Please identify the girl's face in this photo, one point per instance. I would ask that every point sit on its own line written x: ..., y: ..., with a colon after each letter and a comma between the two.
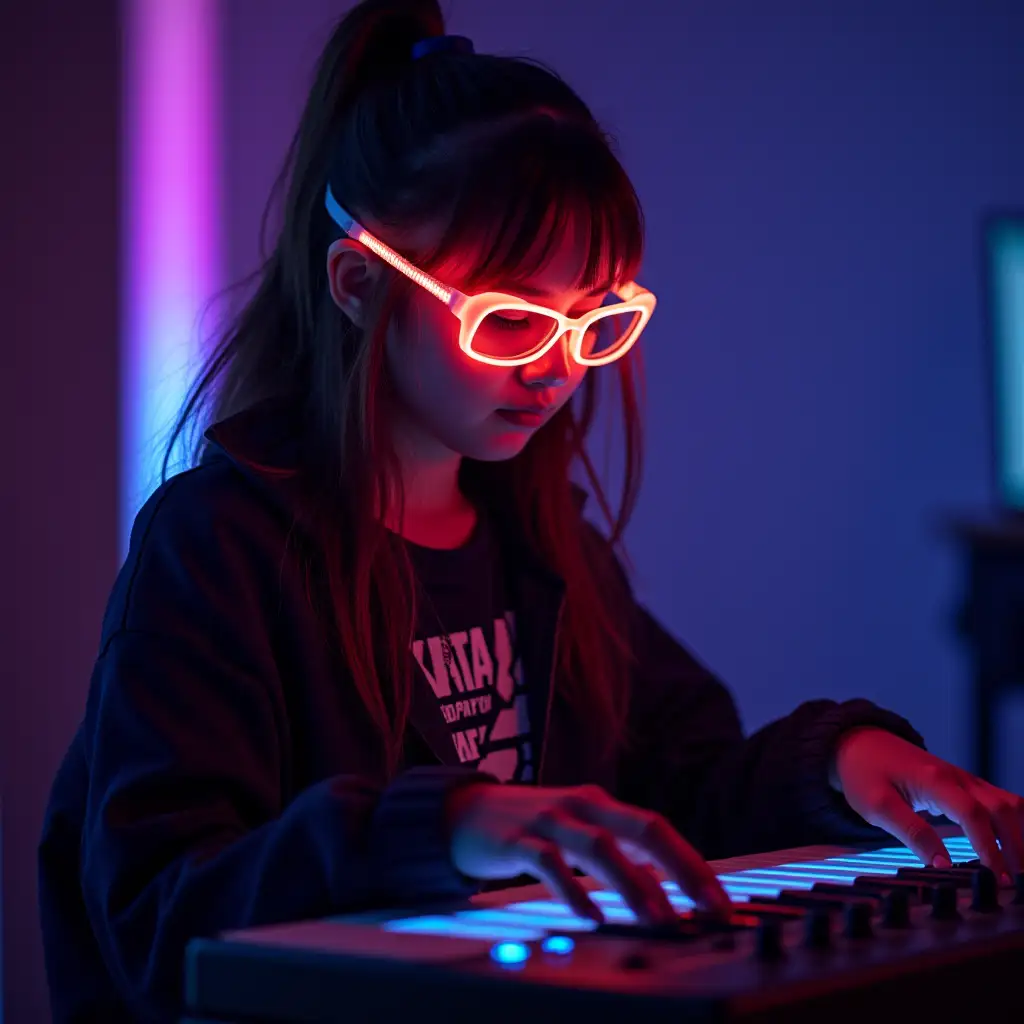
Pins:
x: 450, y: 404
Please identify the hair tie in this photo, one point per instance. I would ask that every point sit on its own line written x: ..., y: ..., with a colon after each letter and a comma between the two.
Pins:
x: 442, y: 44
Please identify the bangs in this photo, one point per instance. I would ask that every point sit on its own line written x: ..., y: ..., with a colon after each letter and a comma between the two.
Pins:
x: 544, y: 179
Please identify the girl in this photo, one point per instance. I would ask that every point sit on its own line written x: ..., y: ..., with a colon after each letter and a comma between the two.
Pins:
x: 369, y: 649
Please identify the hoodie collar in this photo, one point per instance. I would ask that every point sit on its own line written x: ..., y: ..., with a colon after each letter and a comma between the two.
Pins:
x: 266, y: 442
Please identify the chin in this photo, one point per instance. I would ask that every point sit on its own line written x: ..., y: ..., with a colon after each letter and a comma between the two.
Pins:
x: 491, y: 445
x: 495, y: 449
x: 490, y: 440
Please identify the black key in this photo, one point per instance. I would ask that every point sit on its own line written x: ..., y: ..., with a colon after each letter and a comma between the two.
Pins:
x: 684, y: 928
x: 675, y: 931
x: 956, y: 871
x: 708, y: 923
x: 841, y: 889
x: 918, y: 890
x: 804, y: 898
x: 937, y: 876
x: 760, y: 910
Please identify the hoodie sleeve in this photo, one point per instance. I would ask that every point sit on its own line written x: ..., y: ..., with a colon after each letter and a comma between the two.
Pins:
x: 187, y: 829
x: 727, y: 793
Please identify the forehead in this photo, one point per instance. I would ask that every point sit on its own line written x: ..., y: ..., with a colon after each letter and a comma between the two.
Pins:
x: 561, y: 270
x: 553, y: 265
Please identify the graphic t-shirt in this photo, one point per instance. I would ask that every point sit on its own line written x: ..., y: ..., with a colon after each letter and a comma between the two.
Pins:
x: 465, y: 646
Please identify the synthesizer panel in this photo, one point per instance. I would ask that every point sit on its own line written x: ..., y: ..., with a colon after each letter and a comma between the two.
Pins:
x: 829, y: 934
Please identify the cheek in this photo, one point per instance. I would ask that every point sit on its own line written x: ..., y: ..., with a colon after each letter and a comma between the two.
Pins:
x: 425, y: 361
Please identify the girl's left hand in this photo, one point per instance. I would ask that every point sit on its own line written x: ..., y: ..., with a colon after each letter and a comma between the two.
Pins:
x: 886, y: 780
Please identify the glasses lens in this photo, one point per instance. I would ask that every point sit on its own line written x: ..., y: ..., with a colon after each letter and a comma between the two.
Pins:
x: 609, y: 333
x: 513, y: 333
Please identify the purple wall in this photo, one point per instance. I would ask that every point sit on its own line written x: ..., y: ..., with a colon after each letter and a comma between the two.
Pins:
x: 816, y: 376
x: 816, y: 371
x: 59, y: 380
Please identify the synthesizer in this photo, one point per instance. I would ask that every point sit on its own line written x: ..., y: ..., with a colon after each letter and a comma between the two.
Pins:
x: 829, y: 934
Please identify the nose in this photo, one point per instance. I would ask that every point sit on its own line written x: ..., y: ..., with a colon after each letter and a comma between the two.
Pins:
x: 552, y: 370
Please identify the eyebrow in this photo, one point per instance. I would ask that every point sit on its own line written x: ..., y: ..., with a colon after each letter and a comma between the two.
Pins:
x: 539, y: 293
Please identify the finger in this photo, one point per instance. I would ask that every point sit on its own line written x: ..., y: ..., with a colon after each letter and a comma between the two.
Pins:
x: 595, y: 850
x: 678, y: 859
x: 655, y: 837
x: 545, y: 861
x: 1006, y: 811
x: 960, y: 806
x: 891, y: 812
x: 642, y: 859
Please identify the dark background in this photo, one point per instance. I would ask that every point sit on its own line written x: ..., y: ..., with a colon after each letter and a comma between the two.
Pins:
x: 813, y: 176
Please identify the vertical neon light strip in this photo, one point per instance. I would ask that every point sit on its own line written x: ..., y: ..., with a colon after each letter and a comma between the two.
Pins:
x: 172, y: 216
x: 1007, y: 299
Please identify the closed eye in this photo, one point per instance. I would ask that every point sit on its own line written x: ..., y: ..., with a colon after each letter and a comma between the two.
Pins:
x: 510, y: 323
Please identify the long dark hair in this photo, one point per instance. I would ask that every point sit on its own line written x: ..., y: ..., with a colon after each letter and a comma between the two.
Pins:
x: 507, y: 154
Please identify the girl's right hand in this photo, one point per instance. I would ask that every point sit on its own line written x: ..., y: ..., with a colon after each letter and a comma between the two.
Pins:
x: 501, y: 831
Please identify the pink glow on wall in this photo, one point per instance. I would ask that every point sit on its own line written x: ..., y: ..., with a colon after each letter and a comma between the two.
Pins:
x: 172, y: 216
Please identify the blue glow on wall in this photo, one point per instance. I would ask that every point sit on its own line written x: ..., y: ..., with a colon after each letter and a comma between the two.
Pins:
x: 1005, y: 244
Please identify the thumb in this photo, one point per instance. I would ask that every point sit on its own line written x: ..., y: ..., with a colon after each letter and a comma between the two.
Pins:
x: 899, y: 819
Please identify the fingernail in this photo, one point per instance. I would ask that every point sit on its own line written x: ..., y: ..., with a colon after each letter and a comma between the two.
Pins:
x: 940, y: 860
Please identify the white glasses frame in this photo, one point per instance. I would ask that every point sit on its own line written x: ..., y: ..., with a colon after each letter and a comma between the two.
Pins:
x: 472, y: 310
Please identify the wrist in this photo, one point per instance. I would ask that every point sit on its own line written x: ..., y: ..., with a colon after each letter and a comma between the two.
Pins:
x: 840, y: 746
x: 457, y: 801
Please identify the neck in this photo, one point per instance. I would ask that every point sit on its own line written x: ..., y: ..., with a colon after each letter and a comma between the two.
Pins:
x: 434, y: 511
x: 431, y: 489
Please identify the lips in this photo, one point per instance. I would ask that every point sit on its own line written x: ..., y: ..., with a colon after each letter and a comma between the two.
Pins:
x: 532, y: 417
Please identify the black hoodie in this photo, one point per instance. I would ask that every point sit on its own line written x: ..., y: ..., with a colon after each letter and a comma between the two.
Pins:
x: 226, y: 775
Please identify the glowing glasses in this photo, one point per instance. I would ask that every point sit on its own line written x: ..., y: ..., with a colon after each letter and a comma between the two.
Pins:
x: 505, y: 330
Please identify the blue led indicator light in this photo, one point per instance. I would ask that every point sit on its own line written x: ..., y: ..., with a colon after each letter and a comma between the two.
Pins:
x: 510, y: 953
x: 560, y: 944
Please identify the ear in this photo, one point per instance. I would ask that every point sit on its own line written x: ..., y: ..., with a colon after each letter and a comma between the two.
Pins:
x: 353, y: 272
